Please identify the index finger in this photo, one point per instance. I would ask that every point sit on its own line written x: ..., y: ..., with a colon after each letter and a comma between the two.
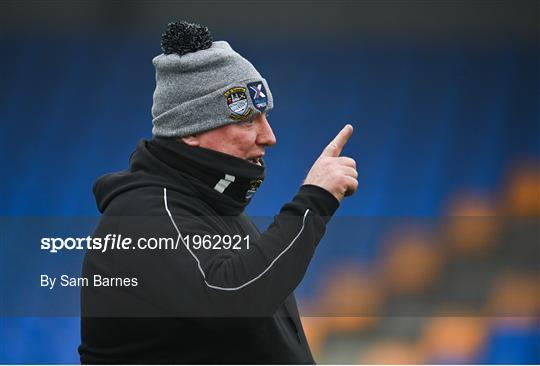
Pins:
x: 335, y: 147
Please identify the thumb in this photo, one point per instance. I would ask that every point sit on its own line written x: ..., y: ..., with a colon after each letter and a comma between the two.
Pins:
x: 336, y: 145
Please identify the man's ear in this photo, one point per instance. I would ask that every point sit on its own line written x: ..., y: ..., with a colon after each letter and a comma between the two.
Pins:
x: 192, y: 140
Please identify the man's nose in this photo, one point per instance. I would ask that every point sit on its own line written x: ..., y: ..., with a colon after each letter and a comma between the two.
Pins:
x: 265, y: 135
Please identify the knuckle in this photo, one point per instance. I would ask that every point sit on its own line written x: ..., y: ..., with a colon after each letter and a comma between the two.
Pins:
x: 350, y: 161
x: 350, y: 172
x: 322, y: 159
x: 345, y: 160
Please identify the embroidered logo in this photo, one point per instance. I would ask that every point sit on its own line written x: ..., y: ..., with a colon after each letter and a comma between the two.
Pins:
x: 254, y: 184
x: 258, y: 95
x: 237, y: 103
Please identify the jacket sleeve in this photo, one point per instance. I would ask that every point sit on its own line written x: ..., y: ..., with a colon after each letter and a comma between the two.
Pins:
x: 256, y: 281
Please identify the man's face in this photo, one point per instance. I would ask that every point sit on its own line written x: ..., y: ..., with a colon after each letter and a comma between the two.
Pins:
x: 245, y: 140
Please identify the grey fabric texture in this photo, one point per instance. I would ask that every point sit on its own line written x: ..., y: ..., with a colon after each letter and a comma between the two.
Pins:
x: 191, y: 94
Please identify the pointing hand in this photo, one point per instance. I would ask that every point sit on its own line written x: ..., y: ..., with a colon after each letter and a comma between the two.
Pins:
x: 332, y: 172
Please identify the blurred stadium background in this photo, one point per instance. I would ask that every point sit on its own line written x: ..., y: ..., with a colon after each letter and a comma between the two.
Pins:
x: 445, y: 100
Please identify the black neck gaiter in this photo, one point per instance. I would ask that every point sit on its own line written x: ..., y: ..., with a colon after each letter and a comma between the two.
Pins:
x: 230, y: 176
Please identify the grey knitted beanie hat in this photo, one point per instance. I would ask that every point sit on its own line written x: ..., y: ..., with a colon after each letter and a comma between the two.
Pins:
x: 202, y: 85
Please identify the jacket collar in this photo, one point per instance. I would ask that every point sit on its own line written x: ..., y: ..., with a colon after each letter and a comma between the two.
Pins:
x: 225, y: 182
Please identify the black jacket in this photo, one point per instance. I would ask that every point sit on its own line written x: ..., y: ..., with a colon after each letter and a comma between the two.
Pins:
x: 191, y: 304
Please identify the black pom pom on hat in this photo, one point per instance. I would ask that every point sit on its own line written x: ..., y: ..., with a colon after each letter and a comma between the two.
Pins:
x: 183, y: 37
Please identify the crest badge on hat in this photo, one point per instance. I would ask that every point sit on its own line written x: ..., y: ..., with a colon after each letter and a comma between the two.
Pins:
x: 238, y: 103
x: 258, y: 95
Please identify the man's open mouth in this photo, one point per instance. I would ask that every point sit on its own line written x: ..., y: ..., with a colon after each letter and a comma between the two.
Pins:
x: 256, y: 161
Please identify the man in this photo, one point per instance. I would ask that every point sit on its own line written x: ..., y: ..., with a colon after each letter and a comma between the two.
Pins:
x: 225, y: 293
